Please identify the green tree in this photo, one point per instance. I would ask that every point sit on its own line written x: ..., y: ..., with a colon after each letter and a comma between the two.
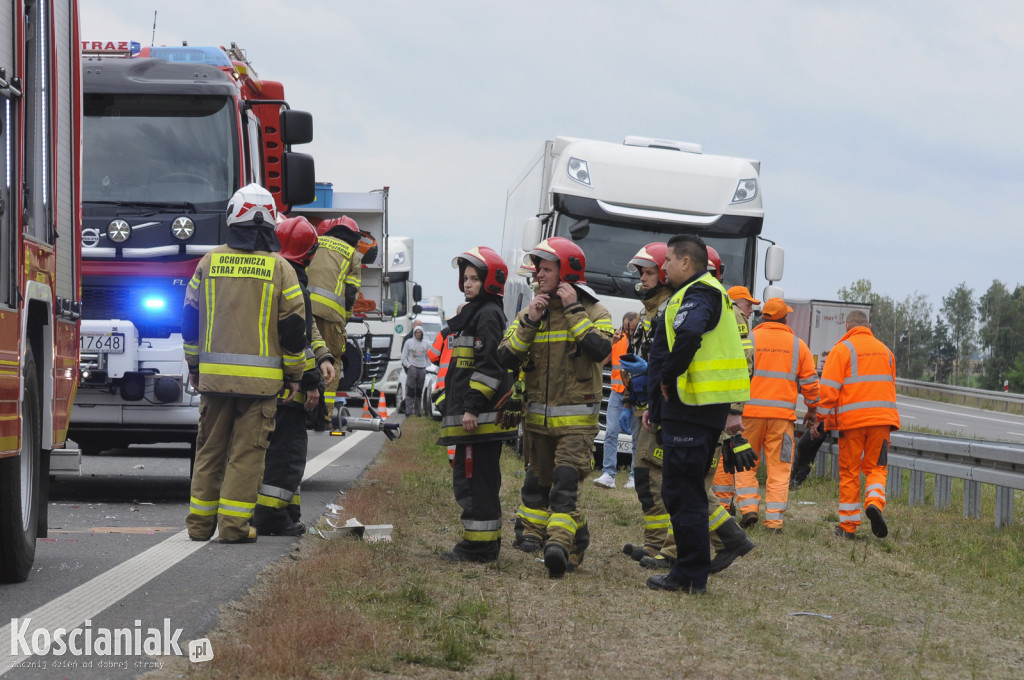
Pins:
x: 912, y: 321
x: 1001, y: 332
x: 941, y: 353
x: 960, y: 312
x: 1015, y: 374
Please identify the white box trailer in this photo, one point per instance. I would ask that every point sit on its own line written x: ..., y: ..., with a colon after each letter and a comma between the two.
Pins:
x: 821, y: 324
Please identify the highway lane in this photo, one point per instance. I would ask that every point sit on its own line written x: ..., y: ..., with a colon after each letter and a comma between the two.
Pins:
x: 960, y: 421
x: 117, y: 555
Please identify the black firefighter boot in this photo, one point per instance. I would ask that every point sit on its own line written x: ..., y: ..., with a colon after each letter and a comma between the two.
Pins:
x: 735, y: 543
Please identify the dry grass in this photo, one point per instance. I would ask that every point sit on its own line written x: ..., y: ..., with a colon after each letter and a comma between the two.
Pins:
x: 941, y: 597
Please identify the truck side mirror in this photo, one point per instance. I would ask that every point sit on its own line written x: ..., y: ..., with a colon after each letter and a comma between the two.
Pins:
x: 532, y: 229
x: 296, y: 127
x: 771, y: 291
x: 774, y: 261
x: 417, y: 309
x: 417, y: 293
x: 298, y: 183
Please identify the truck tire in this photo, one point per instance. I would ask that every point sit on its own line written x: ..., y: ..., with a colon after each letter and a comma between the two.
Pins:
x: 20, y: 488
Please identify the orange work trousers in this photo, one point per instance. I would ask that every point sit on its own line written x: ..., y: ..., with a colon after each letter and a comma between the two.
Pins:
x: 772, y: 439
x: 723, y: 485
x: 862, y: 449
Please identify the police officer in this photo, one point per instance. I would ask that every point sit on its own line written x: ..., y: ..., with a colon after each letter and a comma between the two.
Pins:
x: 697, y: 369
x: 475, y: 382
x: 243, y: 329
x: 563, y: 336
x: 278, y: 506
x: 335, y: 275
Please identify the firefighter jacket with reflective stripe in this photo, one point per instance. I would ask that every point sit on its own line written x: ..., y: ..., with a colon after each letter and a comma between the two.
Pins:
x: 243, y: 324
x: 476, y: 380
x: 783, y: 368
x: 316, y: 352
x: 618, y: 349
x: 335, y: 275
x: 858, y: 383
x: 717, y: 373
x: 563, y: 355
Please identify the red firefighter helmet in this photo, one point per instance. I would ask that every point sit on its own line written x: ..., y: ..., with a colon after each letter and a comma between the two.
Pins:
x: 715, y: 263
x: 326, y: 225
x: 572, y: 263
x: 651, y: 255
x: 298, y: 240
x: 494, y: 268
x: 251, y: 206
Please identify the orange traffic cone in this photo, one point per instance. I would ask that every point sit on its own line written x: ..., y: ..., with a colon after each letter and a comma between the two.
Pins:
x: 382, y: 407
x: 366, y: 408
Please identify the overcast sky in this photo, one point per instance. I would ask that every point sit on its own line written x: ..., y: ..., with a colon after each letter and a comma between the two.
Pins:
x: 890, y: 135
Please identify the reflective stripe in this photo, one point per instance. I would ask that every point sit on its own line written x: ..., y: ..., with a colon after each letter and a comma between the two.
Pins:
x: 517, y: 344
x: 605, y: 325
x: 847, y: 507
x: 292, y: 293
x: 771, y: 402
x: 563, y: 521
x: 719, y: 489
x: 271, y: 502
x: 239, y: 359
x: 481, y: 524
x: 831, y: 383
x: 275, y: 492
x: 808, y: 381
x: 746, y: 490
x: 570, y: 410
x: 481, y: 536
x: 552, y: 336
x: 772, y: 515
x: 327, y: 298
x: 775, y: 506
x: 463, y: 341
x: 581, y: 328
x: 190, y: 350
x: 193, y: 283
x: 717, y: 518
x: 868, y: 378
x: 865, y: 404
x: 265, y: 301
x: 535, y: 516
x: 235, y: 508
x: 657, y: 522
x: 760, y: 373
x: 242, y: 371
x: 211, y: 307
x: 487, y: 417
x: 202, y: 508
x: 493, y: 383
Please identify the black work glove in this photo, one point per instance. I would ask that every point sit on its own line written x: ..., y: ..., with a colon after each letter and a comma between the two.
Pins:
x: 738, y: 455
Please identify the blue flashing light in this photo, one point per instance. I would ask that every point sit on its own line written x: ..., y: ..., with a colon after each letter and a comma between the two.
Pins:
x: 214, y: 56
x: 154, y: 303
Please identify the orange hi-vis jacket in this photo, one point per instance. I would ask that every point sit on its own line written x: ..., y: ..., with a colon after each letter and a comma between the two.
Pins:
x: 618, y: 349
x: 858, y: 383
x: 783, y: 369
x: 440, y: 353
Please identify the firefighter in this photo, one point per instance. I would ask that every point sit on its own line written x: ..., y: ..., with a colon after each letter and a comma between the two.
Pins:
x: 697, y: 370
x: 476, y: 381
x: 335, y: 275
x: 783, y: 369
x: 278, y: 506
x: 858, y: 398
x: 563, y: 336
x: 724, y: 483
x: 243, y: 331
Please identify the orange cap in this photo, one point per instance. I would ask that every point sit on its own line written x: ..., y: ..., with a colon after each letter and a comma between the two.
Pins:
x: 741, y: 293
x: 774, y: 309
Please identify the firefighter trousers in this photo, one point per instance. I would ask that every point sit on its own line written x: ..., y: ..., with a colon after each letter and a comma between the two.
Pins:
x: 277, y: 506
x: 557, y: 464
x: 476, y: 481
x: 230, y: 448
x: 862, y: 449
x: 772, y: 439
x: 723, y: 485
x: 334, y: 336
x: 647, y: 477
x: 689, y: 449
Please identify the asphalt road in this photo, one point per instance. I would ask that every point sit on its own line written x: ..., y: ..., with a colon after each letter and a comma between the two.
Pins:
x: 117, y: 557
x: 961, y: 421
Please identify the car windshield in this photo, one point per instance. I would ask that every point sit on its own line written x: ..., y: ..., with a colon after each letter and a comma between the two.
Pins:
x: 609, y: 248
x: 158, y: 148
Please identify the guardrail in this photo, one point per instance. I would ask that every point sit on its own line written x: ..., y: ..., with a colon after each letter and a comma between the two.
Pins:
x: 1008, y: 402
x: 976, y: 462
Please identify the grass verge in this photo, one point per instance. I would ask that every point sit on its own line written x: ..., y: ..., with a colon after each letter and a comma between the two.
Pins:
x: 940, y: 597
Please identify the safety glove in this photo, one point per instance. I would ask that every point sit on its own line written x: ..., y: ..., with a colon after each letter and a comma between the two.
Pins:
x: 633, y: 364
x: 510, y: 406
x: 626, y: 420
x: 738, y: 455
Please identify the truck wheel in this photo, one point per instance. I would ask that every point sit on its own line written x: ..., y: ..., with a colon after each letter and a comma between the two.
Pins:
x: 19, y: 487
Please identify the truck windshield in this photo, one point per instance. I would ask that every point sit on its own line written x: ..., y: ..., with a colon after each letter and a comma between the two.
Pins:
x: 610, y: 246
x: 158, y: 148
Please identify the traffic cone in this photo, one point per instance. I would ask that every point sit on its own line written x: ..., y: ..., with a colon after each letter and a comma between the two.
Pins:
x: 382, y: 407
x: 366, y: 408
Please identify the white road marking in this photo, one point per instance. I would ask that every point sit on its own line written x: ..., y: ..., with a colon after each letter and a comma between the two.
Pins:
x: 88, y: 600
x: 967, y: 415
x: 956, y: 424
x: 1016, y: 434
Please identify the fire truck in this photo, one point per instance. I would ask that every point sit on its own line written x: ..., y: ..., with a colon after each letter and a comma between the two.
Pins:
x: 170, y: 133
x: 40, y: 259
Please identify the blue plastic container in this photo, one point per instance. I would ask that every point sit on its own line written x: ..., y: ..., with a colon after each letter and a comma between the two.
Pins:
x: 324, y: 197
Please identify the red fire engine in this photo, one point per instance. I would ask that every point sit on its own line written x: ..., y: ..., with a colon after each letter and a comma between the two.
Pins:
x: 40, y: 278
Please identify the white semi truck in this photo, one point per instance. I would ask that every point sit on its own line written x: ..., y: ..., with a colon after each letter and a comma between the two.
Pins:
x: 821, y: 324
x: 612, y: 199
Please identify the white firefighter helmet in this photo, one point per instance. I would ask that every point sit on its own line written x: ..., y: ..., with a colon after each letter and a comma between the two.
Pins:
x: 251, y: 206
